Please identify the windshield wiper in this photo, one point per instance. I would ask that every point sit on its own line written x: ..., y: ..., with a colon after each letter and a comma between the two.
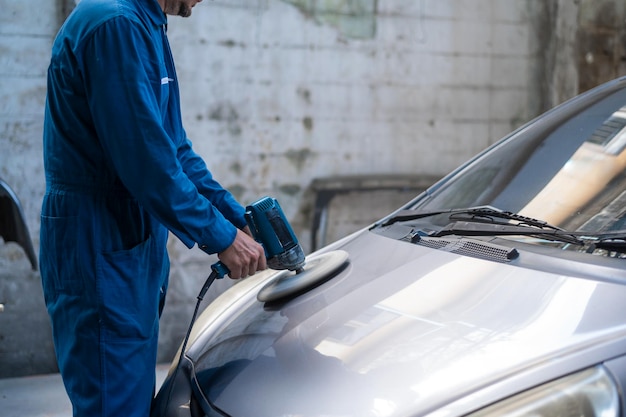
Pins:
x: 489, y: 221
x: 484, y: 214
x: 468, y: 228
x: 612, y: 241
x: 408, y: 215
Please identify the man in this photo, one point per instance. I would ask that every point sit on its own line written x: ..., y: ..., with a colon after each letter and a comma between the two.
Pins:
x: 120, y: 172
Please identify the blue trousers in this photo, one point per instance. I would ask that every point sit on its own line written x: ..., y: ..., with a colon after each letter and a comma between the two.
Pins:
x: 104, y: 270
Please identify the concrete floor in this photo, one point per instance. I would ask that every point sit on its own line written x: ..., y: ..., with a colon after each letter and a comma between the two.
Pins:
x: 43, y: 395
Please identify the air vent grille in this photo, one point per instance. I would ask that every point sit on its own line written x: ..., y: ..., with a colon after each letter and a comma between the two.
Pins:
x: 434, y: 243
x: 471, y: 248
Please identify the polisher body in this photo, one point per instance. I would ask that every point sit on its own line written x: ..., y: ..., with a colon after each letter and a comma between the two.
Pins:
x: 271, y: 229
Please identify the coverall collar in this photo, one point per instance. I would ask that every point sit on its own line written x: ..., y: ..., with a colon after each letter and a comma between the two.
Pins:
x: 154, y: 12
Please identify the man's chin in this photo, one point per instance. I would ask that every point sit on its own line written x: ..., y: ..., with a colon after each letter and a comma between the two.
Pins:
x: 184, y: 11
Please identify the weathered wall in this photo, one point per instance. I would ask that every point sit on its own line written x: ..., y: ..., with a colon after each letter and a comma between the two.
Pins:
x: 580, y: 44
x: 601, y: 42
x: 279, y: 92
x: 25, y: 38
x: 276, y: 95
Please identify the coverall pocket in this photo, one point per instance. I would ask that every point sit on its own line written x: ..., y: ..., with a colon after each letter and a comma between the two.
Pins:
x: 129, y: 284
x: 58, y: 258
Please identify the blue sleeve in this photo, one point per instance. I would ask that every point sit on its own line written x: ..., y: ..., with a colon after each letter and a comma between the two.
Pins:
x: 195, y: 168
x: 124, y: 73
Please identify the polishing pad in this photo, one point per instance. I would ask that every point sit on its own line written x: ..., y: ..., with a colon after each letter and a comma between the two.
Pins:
x: 317, y: 269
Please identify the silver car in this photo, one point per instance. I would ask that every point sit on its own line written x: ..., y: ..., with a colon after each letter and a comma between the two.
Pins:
x: 500, y: 291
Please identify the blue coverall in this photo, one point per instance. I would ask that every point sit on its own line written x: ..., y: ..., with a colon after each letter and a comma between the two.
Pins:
x: 120, y: 171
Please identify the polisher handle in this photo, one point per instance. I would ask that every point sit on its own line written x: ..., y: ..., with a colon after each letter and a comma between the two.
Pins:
x: 220, y: 269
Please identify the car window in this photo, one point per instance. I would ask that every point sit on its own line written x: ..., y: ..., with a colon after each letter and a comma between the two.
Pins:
x: 567, y: 168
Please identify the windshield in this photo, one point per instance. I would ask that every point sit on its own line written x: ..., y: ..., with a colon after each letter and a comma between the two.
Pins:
x: 566, y: 168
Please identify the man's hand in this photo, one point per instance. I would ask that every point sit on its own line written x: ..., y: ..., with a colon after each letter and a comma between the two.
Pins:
x: 243, y: 257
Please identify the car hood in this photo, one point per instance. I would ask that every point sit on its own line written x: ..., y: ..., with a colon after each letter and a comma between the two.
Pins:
x: 402, y: 330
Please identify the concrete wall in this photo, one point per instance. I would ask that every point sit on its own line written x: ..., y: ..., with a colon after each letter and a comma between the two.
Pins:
x: 276, y: 95
x: 26, y: 34
x: 279, y: 92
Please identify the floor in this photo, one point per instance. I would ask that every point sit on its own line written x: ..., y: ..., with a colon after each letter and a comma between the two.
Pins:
x: 42, y: 395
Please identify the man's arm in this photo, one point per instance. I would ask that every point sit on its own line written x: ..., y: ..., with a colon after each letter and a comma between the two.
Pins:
x: 195, y: 168
x: 242, y: 256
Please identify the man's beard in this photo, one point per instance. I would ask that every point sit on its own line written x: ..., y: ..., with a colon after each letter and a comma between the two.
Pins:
x: 184, y: 10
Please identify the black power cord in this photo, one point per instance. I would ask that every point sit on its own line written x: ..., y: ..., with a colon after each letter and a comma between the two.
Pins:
x: 205, y: 288
x: 219, y: 270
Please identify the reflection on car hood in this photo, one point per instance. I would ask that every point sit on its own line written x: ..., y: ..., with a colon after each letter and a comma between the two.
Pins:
x: 404, y: 336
